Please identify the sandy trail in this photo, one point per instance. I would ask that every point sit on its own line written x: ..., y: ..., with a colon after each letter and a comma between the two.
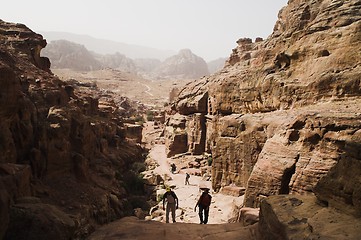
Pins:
x: 221, y: 207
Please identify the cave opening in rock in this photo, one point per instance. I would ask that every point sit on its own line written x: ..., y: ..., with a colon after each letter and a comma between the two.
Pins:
x: 286, y: 178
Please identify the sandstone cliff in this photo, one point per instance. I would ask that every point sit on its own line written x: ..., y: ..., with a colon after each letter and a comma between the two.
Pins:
x: 283, y: 116
x: 65, y: 160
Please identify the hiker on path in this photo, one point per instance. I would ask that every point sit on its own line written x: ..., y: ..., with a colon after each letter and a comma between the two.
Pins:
x: 172, y: 204
x: 187, y: 178
x: 203, y: 203
x: 173, y: 168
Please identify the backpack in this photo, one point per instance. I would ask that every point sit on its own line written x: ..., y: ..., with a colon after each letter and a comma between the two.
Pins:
x: 170, y: 197
x: 205, y: 200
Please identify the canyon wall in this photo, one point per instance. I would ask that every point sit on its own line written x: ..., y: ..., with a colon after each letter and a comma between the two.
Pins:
x: 283, y: 116
x: 64, y: 154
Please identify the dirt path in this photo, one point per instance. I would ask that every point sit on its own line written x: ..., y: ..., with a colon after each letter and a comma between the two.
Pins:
x: 221, y: 207
x: 148, y: 89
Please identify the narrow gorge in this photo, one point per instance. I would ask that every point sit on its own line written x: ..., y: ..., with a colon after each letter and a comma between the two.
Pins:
x: 280, y: 124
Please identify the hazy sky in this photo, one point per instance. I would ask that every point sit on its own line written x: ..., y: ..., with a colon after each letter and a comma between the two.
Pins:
x: 210, y: 28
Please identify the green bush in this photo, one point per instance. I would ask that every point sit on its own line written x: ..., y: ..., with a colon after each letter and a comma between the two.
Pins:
x: 150, y: 115
x: 138, y: 119
x: 139, y: 167
x: 210, y: 160
x: 132, y: 182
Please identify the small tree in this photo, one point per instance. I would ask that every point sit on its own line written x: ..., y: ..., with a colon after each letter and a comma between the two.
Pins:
x: 150, y: 115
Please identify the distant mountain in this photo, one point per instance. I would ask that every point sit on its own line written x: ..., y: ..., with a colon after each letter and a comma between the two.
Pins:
x: 117, y: 61
x: 182, y: 66
x: 146, y: 65
x: 103, y: 46
x: 65, y: 54
x: 216, y: 65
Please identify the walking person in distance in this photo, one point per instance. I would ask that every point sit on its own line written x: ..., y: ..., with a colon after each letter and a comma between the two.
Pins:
x: 172, y: 204
x: 187, y: 179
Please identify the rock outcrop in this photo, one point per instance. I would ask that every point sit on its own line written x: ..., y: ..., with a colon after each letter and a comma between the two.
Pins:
x: 65, y: 54
x: 66, y: 165
x: 283, y: 115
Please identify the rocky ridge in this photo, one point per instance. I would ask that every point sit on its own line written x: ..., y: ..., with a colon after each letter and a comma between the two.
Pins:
x: 185, y: 65
x: 283, y: 118
x: 68, y: 159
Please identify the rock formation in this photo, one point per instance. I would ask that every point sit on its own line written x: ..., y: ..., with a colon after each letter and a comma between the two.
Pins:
x: 65, y: 54
x: 66, y: 165
x: 118, y: 61
x: 184, y: 65
x: 283, y: 116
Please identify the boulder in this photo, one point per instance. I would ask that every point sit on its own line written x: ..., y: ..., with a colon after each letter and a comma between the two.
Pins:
x: 248, y: 216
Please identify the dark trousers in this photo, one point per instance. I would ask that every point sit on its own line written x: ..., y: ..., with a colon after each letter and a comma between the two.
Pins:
x: 203, y: 210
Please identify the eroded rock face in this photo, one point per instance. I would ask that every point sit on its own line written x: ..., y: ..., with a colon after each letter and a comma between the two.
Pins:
x: 57, y: 143
x: 283, y: 116
x: 308, y: 143
x: 340, y: 188
x: 300, y: 217
x: 186, y: 134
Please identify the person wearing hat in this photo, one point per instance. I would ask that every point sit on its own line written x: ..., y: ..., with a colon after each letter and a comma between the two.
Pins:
x: 203, y: 203
x: 172, y: 203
